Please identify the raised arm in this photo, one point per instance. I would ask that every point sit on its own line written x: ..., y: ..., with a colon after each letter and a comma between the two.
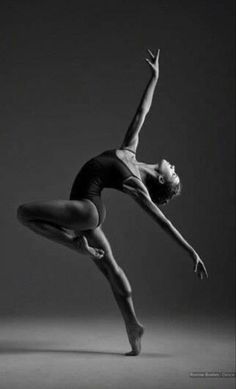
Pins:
x: 131, y: 139
x: 138, y: 191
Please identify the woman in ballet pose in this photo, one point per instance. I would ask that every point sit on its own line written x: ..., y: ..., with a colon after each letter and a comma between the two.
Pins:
x: 77, y: 222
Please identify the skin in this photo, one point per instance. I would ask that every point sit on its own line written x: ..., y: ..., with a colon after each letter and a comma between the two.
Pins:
x: 73, y: 223
x: 167, y: 171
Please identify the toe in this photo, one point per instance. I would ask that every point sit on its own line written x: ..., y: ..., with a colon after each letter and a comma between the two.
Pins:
x: 101, y: 253
x: 132, y: 353
x: 98, y: 254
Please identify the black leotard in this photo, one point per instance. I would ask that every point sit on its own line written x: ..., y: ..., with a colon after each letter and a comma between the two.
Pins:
x: 103, y: 171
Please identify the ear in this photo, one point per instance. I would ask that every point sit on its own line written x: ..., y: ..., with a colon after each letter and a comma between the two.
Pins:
x: 161, y: 179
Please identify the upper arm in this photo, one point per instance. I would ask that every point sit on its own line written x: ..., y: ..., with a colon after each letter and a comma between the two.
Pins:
x: 131, y: 138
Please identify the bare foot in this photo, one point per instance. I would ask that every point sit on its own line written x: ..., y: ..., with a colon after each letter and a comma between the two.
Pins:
x: 83, y: 247
x: 135, y: 333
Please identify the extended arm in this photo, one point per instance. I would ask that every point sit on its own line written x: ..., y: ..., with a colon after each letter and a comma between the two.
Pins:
x: 131, y: 139
x: 139, y: 192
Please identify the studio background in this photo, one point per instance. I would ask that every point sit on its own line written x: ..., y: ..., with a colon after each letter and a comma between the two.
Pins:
x: 72, y: 75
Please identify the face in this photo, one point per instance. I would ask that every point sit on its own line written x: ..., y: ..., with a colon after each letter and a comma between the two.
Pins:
x: 168, y: 171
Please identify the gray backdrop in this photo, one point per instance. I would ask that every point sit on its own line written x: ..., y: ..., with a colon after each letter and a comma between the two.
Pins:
x: 72, y: 74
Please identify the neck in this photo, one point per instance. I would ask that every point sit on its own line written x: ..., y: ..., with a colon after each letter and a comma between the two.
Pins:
x: 147, y: 169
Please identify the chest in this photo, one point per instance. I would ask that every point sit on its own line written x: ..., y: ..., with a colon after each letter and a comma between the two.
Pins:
x: 130, y: 161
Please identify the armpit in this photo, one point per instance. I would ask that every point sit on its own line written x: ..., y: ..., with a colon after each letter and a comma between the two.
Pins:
x: 134, y: 186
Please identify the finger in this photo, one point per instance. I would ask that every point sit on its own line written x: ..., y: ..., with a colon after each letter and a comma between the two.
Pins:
x: 200, y: 272
x: 204, y: 274
x: 151, y: 54
x: 205, y: 270
x: 157, y: 56
x: 149, y: 62
x: 200, y: 275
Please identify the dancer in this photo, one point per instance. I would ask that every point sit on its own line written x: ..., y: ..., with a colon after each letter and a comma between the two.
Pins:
x: 77, y: 222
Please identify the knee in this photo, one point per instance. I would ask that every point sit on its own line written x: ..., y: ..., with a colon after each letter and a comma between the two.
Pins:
x: 125, y: 290
x: 123, y: 284
x: 118, y: 279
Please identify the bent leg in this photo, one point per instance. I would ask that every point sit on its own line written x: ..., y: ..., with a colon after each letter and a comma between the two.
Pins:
x: 62, y: 221
x: 72, y: 214
x: 120, y: 287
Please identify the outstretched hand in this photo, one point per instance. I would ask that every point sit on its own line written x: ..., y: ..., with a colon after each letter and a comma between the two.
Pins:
x: 154, y: 62
x: 199, y: 267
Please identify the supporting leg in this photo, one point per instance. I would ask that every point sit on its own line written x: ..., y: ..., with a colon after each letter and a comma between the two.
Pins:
x: 120, y: 287
x: 133, y: 327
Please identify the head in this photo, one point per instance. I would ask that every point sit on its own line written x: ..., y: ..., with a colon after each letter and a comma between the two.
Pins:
x: 165, y: 184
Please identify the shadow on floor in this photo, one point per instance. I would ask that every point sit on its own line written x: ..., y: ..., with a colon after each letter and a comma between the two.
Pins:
x: 19, y: 347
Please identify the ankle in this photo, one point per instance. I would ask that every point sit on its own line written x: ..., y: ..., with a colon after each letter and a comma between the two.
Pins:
x: 132, y: 322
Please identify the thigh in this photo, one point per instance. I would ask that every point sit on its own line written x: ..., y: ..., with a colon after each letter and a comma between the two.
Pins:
x: 75, y: 214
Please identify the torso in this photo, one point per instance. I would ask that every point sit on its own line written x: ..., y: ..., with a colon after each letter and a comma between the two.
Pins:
x: 110, y: 169
x: 129, y: 159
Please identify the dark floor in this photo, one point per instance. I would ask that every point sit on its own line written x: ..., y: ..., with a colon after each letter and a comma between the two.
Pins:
x: 75, y: 353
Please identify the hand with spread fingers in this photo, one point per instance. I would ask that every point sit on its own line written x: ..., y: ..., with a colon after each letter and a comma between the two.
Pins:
x: 199, y: 267
x: 154, y: 62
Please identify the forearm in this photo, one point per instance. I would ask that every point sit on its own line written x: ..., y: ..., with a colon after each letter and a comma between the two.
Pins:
x: 146, y: 100
x: 166, y: 225
x: 176, y: 235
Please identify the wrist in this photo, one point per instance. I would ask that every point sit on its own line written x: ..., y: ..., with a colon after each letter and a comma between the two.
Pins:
x: 155, y: 75
x: 193, y: 254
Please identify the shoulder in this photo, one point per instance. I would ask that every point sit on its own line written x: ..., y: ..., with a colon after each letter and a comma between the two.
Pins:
x: 126, y: 155
x: 126, y: 151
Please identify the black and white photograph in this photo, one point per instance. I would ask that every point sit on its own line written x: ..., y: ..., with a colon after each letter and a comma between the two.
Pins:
x: 117, y: 147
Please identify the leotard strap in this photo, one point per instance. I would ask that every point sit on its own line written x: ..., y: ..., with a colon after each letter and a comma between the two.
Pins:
x: 129, y: 150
